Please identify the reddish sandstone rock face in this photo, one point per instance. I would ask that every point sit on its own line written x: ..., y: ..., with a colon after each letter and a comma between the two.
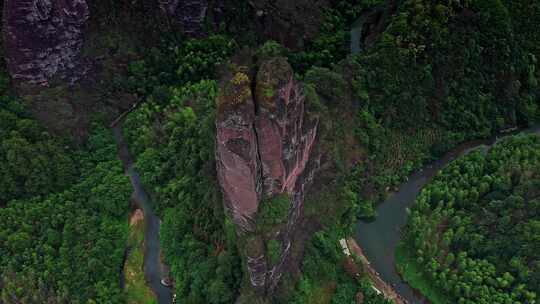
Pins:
x: 265, y: 143
x: 236, y: 150
x: 43, y: 39
x: 286, y: 138
x: 285, y: 135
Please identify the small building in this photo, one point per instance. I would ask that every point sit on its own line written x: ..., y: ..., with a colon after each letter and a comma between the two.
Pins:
x: 376, y: 290
x: 345, y: 247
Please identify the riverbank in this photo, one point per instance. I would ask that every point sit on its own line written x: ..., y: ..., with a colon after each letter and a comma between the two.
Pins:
x: 420, y: 276
x: 154, y: 270
x: 408, y: 268
x: 379, y: 239
x: 387, y: 290
x: 137, y: 291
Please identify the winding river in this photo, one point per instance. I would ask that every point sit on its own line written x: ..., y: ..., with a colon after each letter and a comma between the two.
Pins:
x: 154, y: 270
x: 379, y: 239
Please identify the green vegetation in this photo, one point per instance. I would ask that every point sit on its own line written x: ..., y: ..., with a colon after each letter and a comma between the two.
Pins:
x: 172, y: 137
x: 415, y: 95
x: 273, y: 212
x: 439, y: 73
x: 473, y: 232
x: 32, y: 162
x: 176, y: 65
x: 273, y: 250
x: 446, y: 63
x: 324, y: 279
x: 436, y: 73
x: 63, y: 211
x: 80, y: 230
x: 137, y: 292
x: 411, y: 271
x: 175, y: 144
x: 271, y: 217
x: 333, y: 42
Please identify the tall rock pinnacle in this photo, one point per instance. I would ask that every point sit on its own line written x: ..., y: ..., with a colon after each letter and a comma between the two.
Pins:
x: 265, y: 142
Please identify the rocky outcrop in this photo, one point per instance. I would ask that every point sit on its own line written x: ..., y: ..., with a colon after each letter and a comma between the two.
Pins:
x: 265, y: 141
x: 285, y: 135
x: 43, y: 39
x: 190, y: 14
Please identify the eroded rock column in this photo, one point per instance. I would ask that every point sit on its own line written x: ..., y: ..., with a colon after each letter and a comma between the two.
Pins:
x: 265, y: 141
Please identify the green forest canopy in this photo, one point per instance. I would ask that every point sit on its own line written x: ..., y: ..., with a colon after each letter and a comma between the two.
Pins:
x: 441, y: 72
x: 63, y: 223
x: 474, y: 230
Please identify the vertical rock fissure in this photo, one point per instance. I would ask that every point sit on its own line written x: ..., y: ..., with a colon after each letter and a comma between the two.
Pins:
x: 259, y: 174
x: 259, y: 183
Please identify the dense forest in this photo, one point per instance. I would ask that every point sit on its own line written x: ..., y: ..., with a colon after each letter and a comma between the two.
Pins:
x: 63, y: 215
x: 473, y: 232
x: 429, y: 75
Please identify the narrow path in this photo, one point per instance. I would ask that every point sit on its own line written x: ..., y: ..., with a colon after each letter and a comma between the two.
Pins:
x: 153, y: 268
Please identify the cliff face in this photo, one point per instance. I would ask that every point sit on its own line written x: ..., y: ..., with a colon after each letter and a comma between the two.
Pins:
x: 285, y: 136
x: 265, y: 143
x: 63, y: 62
x: 43, y: 39
x: 237, y: 151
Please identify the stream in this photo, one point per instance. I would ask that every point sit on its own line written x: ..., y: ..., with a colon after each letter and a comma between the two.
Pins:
x: 154, y: 270
x: 379, y: 239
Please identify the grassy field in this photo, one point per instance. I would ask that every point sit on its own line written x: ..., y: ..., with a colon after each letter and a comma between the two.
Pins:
x: 412, y: 274
x: 137, y: 292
